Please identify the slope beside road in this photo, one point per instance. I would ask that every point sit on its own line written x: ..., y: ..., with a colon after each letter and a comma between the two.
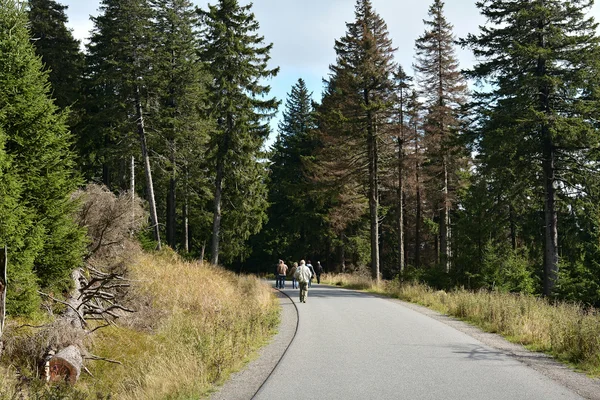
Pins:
x: 353, y: 345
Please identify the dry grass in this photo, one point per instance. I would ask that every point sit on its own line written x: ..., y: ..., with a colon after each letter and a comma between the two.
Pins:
x: 196, y: 324
x: 569, y: 332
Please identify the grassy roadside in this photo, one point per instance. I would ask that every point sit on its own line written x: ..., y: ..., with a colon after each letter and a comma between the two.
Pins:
x: 195, y: 325
x: 566, y: 331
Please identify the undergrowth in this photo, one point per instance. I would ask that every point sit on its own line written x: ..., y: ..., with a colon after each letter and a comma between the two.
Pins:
x: 195, y: 324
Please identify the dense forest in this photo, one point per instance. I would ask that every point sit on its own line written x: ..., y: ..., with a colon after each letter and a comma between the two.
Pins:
x: 482, y: 178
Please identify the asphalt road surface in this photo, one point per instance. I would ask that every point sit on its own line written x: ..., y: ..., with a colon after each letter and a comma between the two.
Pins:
x: 352, y: 345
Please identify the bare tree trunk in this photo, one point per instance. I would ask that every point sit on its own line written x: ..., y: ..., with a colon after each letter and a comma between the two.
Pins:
x: 513, y: 227
x: 132, y: 190
x: 445, y: 222
x: 401, y: 195
x: 343, y: 252
x: 373, y: 190
x: 551, y: 219
x: 186, y: 220
x: 171, y: 198
x: 148, y: 171
x: 214, y: 250
x: 171, y: 212
x: 418, y: 211
x: 3, y: 285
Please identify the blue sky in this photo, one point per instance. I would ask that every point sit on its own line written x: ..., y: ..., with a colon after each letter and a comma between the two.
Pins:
x: 303, y: 32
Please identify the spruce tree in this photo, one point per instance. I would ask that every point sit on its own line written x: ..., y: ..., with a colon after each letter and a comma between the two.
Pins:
x: 237, y: 60
x: 118, y: 67
x: 540, y: 60
x: 363, y: 73
x: 402, y: 95
x: 178, y: 83
x: 59, y: 50
x: 37, y: 177
x: 444, y: 88
x: 294, y: 215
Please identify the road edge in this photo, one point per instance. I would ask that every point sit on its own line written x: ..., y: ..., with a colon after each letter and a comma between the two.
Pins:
x: 246, y: 383
x: 577, y: 382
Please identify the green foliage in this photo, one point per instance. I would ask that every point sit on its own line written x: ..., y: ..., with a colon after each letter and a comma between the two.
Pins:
x: 507, y: 270
x: 44, y: 242
x: 238, y: 102
x: 60, y: 52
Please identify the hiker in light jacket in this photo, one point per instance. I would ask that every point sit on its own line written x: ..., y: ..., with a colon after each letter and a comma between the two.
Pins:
x: 281, y: 273
x: 293, y: 273
x: 303, y: 275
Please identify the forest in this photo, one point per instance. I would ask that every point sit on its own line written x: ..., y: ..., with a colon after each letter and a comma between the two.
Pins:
x: 485, y: 178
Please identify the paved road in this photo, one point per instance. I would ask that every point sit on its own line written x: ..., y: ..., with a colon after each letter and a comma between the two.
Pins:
x: 351, y: 345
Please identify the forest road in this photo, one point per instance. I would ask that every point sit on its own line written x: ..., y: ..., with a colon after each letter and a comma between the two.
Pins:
x: 353, y: 345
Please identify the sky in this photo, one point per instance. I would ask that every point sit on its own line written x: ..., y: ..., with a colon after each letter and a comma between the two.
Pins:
x: 303, y: 33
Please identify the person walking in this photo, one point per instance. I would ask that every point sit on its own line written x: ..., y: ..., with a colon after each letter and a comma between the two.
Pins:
x: 281, y: 273
x: 312, y: 271
x: 318, y: 271
x: 293, y: 273
x: 303, y: 275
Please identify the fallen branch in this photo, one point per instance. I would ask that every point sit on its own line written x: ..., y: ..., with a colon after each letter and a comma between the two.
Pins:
x: 83, y: 322
x: 96, y: 358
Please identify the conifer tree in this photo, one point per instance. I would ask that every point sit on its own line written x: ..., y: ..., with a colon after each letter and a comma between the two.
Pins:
x: 293, y: 210
x: 444, y: 88
x: 402, y: 95
x: 363, y: 73
x: 237, y: 60
x: 59, y: 50
x: 179, y: 83
x: 540, y: 59
x: 119, y: 65
x: 37, y: 177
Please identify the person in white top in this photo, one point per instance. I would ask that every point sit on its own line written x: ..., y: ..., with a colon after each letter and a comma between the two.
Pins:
x: 303, y: 274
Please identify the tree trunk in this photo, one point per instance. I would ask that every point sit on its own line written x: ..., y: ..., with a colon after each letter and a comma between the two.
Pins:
x: 551, y: 220
x: 214, y: 250
x: 550, y: 215
x: 66, y: 365
x: 171, y: 212
x: 343, y: 253
x: 445, y: 252
x: 186, y: 221
x: 401, y: 196
x: 513, y: 227
x: 132, y: 190
x: 418, y: 210
x: 3, y: 285
x: 373, y: 190
x: 147, y: 170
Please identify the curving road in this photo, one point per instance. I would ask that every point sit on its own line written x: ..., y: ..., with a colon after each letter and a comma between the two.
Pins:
x: 352, y: 345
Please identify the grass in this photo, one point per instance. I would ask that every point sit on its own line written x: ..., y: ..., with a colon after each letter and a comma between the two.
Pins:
x: 194, y: 326
x: 569, y: 332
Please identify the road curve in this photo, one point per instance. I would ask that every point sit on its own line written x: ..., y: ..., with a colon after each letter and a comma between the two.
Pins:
x: 352, y: 345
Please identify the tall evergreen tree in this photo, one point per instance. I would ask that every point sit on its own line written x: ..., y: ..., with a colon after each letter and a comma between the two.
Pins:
x: 37, y: 176
x: 540, y: 59
x: 402, y: 96
x: 363, y: 73
x: 444, y: 88
x: 179, y: 83
x: 119, y: 60
x: 237, y: 60
x: 60, y: 52
x: 294, y: 218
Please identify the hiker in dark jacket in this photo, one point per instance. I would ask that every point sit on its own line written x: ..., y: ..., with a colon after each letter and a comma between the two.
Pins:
x: 318, y: 271
x: 312, y: 271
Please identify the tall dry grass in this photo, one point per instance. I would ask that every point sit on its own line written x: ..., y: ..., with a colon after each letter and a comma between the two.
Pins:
x: 195, y: 324
x: 570, y: 332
